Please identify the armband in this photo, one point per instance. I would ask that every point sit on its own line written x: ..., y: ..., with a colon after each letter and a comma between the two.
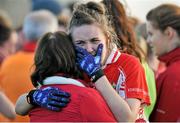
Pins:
x: 97, y: 75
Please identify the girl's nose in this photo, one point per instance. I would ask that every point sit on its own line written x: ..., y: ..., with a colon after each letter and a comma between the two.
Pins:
x: 89, y: 47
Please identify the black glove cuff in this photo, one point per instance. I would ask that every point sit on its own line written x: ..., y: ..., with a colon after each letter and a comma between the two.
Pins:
x: 98, y: 74
x: 29, y: 98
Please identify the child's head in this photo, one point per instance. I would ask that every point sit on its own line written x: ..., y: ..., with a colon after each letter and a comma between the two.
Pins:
x: 54, y: 54
x: 89, y: 27
x: 163, y: 28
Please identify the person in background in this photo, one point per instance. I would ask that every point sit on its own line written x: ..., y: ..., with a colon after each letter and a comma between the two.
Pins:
x: 163, y: 28
x: 63, y: 22
x: 129, y: 44
x: 8, y: 40
x: 152, y: 60
x: 35, y: 5
x: 15, y: 70
x: 51, y: 5
x: 8, y: 37
x: 88, y: 28
x: 7, y: 107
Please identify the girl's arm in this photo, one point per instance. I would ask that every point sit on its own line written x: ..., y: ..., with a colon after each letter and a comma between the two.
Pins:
x: 7, y: 107
x: 51, y: 98
x: 22, y: 106
x: 123, y: 110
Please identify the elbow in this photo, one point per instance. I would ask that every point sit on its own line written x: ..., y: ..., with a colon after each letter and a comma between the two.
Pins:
x: 127, y: 117
x: 20, y: 111
x: 11, y: 115
x: 131, y: 117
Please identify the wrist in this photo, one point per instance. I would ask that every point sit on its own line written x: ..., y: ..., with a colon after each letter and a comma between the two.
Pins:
x: 98, y: 74
x: 29, y: 98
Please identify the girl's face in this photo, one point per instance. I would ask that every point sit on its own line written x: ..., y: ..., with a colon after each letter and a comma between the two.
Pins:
x: 157, y: 39
x: 89, y: 37
x: 11, y: 43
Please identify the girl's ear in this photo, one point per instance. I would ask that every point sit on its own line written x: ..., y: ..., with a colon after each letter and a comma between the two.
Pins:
x: 169, y: 32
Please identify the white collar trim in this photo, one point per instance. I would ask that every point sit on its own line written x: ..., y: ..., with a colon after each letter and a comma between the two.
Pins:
x: 112, y: 55
x: 61, y: 80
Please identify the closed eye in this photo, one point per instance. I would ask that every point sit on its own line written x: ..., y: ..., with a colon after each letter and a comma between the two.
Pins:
x: 95, y: 40
x: 80, y: 42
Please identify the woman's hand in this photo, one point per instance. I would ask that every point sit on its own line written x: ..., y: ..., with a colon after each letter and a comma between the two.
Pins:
x: 51, y: 98
x: 87, y: 62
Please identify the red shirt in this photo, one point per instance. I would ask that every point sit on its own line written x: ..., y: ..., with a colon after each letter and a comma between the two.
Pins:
x: 168, y: 89
x: 86, y: 106
x: 127, y: 76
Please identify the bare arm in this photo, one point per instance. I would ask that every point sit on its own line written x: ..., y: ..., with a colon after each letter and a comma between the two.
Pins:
x: 22, y: 106
x: 123, y: 110
x: 7, y: 107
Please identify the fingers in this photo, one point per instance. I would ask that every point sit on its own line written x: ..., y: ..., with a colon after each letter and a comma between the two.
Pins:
x: 56, y: 104
x: 60, y: 99
x: 79, y: 55
x: 54, y: 91
x: 81, y: 50
x: 99, y: 50
x: 53, y: 108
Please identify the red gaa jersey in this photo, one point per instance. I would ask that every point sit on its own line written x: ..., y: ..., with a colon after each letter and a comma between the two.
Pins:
x: 127, y: 76
x: 86, y: 105
x: 167, y: 108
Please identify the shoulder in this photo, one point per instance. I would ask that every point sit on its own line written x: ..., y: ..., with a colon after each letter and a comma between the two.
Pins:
x: 172, y: 72
x: 129, y: 59
x: 174, y: 68
x: 93, y: 103
x: 90, y: 96
x: 128, y: 62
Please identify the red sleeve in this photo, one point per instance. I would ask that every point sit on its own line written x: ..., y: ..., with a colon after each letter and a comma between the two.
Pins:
x: 136, y: 85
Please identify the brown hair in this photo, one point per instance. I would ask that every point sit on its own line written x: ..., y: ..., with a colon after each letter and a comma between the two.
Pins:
x: 55, y: 54
x: 5, y: 33
x: 165, y: 15
x: 92, y: 13
x: 123, y: 29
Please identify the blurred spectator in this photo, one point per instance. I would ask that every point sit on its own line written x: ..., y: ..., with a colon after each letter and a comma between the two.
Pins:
x: 7, y: 46
x: 7, y: 107
x: 51, y: 5
x: 163, y: 27
x: 63, y: 22
x: 56, y: 8
x: 152, y: 60
x: 5, y: 19
x: 15, y: 70
x: 134, y: 21
x: 8, y: 37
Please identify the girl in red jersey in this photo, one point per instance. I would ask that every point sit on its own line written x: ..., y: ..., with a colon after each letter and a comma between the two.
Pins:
x: 163, y: 27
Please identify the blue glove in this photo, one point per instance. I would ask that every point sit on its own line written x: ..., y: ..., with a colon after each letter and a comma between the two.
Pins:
x: 87, y: 62
x: 51, y: 98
